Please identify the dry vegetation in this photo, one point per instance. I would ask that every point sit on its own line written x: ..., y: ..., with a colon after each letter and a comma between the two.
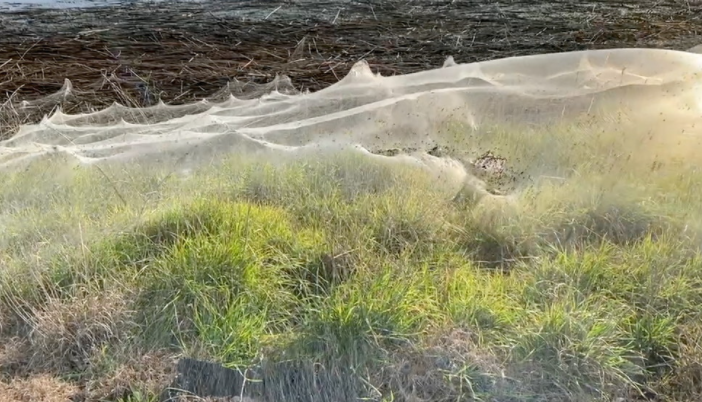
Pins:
x: 141, y: 54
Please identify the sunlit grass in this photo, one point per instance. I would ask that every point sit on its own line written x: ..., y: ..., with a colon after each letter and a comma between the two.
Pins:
x: 583, y: 287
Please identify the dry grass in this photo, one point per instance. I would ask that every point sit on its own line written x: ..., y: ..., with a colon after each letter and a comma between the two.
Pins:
x: 66, y: 334
x: 685, y: 382
x: 69, y: 338
x: 136, y: 374
x: 41, y: 387
x: 430, y: 373
x: 14, y: 357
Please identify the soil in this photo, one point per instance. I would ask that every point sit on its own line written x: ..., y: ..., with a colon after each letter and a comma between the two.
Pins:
x: 139, y: 53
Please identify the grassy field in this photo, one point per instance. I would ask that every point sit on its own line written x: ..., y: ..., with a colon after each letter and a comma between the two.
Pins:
x: 349, y: 277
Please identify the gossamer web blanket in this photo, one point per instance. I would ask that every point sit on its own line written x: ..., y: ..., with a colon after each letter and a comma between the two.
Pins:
x: 649, y: 99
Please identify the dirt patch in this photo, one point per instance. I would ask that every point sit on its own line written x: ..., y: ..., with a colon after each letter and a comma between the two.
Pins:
x: 180, y: 52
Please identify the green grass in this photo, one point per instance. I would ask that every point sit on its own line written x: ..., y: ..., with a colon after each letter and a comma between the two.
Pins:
x: 584, y: 288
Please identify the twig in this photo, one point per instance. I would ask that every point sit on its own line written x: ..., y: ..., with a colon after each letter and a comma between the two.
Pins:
x: 272, y: 12
x: 5, y: 63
